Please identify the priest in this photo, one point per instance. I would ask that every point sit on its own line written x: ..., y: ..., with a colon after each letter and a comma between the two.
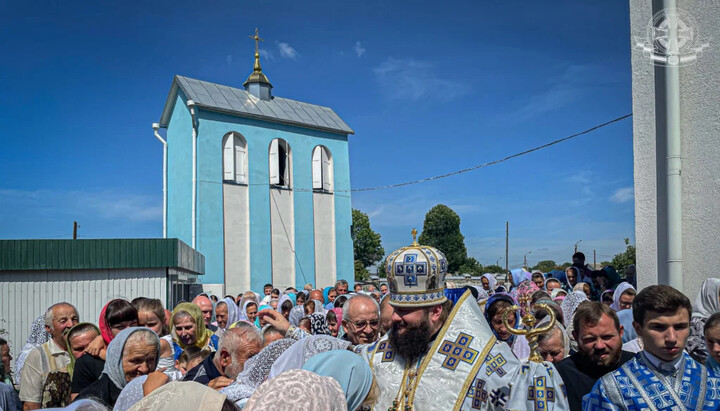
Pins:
x: 436, y: 357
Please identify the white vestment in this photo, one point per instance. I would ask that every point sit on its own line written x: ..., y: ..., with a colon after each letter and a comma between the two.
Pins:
x: 465, y: 369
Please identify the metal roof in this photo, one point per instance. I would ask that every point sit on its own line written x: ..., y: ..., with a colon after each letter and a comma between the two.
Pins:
x: 19, y: 255
x: 235, y: 101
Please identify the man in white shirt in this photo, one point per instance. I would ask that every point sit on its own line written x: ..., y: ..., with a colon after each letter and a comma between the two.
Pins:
x: 48, y: 360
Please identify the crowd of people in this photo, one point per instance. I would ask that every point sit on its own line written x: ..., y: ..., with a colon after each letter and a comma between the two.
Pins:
x: 413, y: 342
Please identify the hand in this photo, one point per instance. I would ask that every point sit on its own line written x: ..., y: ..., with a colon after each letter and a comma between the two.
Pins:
x: 276, y: 319
x: 220, y: 382
x: 97, y: 345
x: 155, y: 380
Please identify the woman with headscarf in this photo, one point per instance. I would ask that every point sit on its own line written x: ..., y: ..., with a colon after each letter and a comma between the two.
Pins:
x: 116, y: 316
x: 255, y: 371
x: 333, y: 318
x: 355, y: 376
x: 300, y: 352
x: 706, y: 304
x: 554, y: 346
x: 489, y: 282
x: 623, y: 297
x: 607, y: 297
x: 558, y: 295
x: 526, y: 287
x: 613, y: 276
x: 318, y: 324
x: 552, y: 284
x: 249, y: 311
x: 518, y: 276
x: 495, y: 308
x: 38, y: 336
x: 568, y: 306
x: 572, y: 277
x: 151, y: 314
x: 188, y: 328
x: 285, y: 305
x: 296, y: 314
x: 132, y: 353
x: 290, y: 391
x: 227, y: 314
x: 584, y: 288
x: 77, y: 339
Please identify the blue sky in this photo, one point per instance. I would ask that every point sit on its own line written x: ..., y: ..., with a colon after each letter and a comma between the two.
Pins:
x: 428, y: 87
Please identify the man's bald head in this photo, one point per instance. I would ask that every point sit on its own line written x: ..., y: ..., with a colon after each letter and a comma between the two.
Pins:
x: 205, y: 306
x: 361, y: 319
x: 317, y: 295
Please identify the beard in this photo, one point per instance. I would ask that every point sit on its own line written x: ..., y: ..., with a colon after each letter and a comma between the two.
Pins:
x: 410, y: 343
x: 612, y: 359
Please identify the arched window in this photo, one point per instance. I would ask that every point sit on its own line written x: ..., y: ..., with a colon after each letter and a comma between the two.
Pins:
x: 322, y: 170
x: 234, y: 158
x: 280, y: 163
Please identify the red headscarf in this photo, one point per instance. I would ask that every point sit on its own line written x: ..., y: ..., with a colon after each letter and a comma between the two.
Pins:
x: 104, y: 326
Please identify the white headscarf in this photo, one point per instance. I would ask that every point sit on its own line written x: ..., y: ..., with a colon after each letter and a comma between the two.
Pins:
x: 233, y: 312
x: 182, y: 396
x: 492, y: 281
x: 298, y: 354
x: 707, y: 302
x: 621, y: 288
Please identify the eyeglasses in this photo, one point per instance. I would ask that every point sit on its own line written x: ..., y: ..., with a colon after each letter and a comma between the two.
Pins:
x: 362, y: 324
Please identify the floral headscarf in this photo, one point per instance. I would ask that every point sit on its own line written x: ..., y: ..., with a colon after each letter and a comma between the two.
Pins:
x: 202, y: 334
x: 296, y: 314
x: 526, y: 287
x: 290, y: 391
x: 256, y: 370
x: 318, y: 324
x: 570, y: 304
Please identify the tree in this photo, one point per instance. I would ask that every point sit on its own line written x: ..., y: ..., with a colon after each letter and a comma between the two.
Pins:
x: 361, y: 273
x: 565, y: 265
x: 545, y: 266
x: 441, y: 230
x: 471, y: 266
x: 494, y: 269
x: 367, y: 246
x: 622, y: 260
x: 381, y: 272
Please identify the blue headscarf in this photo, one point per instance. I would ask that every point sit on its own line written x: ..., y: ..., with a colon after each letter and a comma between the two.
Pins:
x: 257, y: 319
x: 293, y: 298
x: 113, y: 361
x: 326, y: 291
x: 348, y: 369
x: 492, y: 300
x: 519, y: 275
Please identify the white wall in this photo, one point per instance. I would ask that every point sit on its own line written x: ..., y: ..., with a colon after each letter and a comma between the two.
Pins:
x: 282, y: 222
x: 324, y: 235
x: 700, y: 129
x: 25, y: 295
x: 236, y: 229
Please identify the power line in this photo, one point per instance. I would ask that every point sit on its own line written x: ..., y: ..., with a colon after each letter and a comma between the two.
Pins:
x: 522, y: 153
x: 465, y: 170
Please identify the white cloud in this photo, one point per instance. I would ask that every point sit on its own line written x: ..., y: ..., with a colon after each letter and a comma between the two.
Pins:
x: 267, y: 54
x: 287, y: 51
x: 623, y: 195
x: 410, y: 79
x: 359, y: 49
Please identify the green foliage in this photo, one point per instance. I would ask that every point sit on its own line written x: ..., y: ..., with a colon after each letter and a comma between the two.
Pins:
x: 367, y: 246
x: 361, y: 273
x: 381, y: 272
x: 622, y: 260
x: 545, y: 266
x: 565, y: 265
x: 441, y: 230
x: 471, y: 266
x: 493, y: 269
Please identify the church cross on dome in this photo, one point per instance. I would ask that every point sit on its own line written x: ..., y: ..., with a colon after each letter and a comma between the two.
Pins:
x: 257, y: 39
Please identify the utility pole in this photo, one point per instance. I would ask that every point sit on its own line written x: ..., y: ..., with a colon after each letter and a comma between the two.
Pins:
x: 507, y: 235
x: 579, y: 241
x: 594, y: 260
x: 525, y: 259
x: 75, y: 226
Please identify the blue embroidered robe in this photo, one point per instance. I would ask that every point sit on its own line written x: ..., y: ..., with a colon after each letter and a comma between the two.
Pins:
x: 638, y: 385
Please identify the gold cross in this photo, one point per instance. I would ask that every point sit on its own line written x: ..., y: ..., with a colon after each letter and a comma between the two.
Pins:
x: 257, y: 39
x: 414, y: 234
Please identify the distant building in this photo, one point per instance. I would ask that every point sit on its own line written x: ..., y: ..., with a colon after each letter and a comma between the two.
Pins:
x: 35, y: 274
x: 675, y: 97
x: 272, y: 185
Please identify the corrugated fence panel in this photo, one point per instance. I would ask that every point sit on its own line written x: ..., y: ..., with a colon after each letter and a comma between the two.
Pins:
x: 25, y: 295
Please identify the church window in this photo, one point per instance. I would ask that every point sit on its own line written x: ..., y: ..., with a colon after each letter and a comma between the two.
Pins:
x: 280, y: 163
x: 234, y: 158
x: 322, y: 170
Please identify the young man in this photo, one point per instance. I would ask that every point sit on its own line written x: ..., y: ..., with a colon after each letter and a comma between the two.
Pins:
x: 662, y: 376
x: 598, y: 333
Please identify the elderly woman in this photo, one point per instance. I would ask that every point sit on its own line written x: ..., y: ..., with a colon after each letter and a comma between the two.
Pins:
x: 489, y: 282
x: 132, y: 353
x: 554, y: 346
x: 706, y: 304
x: 189, y: 329
x: 116, y: 316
